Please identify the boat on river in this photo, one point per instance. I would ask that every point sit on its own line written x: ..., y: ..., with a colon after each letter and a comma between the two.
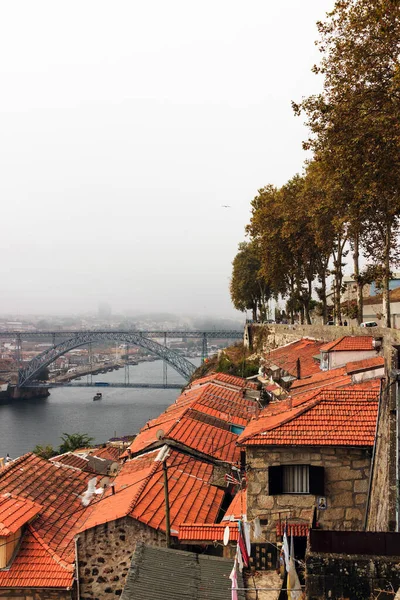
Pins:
x: 98, y: 396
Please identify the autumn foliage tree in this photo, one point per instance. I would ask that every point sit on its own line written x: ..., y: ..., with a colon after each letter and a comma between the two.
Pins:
x: 249, y: 289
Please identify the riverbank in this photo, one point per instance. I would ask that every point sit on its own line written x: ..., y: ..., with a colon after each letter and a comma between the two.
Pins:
x: 121, y: 411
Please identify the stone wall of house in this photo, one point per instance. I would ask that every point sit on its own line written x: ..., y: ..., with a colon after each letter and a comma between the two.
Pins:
x: 36, y: 594
x: 382, y: 506
x: 357, y: 577
x: 105, y: 554
x: 346, y: 487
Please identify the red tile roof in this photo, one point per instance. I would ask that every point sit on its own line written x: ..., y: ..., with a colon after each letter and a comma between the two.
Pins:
x: 232, y: 380
x: 36, y: 566
x: 140, y: 493
x: 200, y: 419
x: 365, y: 365
x: 73, y: 460
x: 15, y: 512
x: 109, y: 452
x: 57, y: 490
x: 286, y: 357
x: 333, y: 417
x: 321, y: 379
x: 292, y: 528
x: 349, y: 343
x: 207, y: 533
x: 238, y: 506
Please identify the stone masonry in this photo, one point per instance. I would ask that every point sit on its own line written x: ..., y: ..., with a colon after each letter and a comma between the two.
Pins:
x: 105, y: 554
x: 36, y: 594
x: 346, y: 487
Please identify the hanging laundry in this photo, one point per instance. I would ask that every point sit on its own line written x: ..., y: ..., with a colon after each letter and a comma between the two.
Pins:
x: 242, y: 545
x: 239, y: 558
x: 246, y: 531
x: 257, y: 532
x: 293, y: 582
x: 233, y: 578
x: 285, y: 548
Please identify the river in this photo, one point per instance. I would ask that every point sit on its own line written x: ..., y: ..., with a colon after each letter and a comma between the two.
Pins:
x: 121, y: 411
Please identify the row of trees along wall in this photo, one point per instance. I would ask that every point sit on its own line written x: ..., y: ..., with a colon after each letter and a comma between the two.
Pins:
x: 347, y: 201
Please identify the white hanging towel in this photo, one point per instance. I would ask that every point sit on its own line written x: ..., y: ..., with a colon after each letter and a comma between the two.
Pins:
x: 286, y: 551
x: 257, y: 528
x: 233, y: 578
x: 246, y: 531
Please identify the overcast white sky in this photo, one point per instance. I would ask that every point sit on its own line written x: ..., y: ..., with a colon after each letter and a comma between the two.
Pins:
x: 125, y: 126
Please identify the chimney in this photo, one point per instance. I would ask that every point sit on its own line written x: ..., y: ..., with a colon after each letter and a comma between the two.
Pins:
x: 298, y: 369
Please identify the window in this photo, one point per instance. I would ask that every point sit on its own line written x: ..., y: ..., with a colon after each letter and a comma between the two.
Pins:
x: 296, y: 479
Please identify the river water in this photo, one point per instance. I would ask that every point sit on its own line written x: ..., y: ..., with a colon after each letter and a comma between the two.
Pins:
x: 121, y: 411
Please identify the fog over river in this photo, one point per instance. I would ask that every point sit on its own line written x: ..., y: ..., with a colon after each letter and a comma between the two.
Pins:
x: 121, y: 411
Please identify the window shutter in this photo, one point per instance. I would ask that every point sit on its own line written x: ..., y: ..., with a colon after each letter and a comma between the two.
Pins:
x: 317, y: 481
x: 275, y: 479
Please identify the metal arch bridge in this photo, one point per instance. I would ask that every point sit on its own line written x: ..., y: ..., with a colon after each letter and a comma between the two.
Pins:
x: 138, y: 338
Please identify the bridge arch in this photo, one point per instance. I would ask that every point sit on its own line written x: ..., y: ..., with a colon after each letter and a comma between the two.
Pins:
x: 183, y: 366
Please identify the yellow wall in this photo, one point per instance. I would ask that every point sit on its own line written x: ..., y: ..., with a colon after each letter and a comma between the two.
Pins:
x: 7, y: 547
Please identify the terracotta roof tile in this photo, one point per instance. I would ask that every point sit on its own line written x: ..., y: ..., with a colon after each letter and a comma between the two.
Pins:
x: 15, y: 511
x: 57, y: 490
x: 207, y: 533
x: 232, y: 380
x: 365, y: 365
x: 75, y: 461
x: 238, y: 506
x: 296, y: 529
x: 334, y: 417
x: 320, y: 379
x: 35, y: 566
x: 286, y: 357
x: 183, y: 423
x: 349, y: 343
x: 139, y: 493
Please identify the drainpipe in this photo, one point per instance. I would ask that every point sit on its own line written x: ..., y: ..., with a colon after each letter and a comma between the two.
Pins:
x: 78, y: 592
x: 371, y: 472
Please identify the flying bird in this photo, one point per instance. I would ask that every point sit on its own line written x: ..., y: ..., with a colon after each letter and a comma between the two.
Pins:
x: 225, y: 206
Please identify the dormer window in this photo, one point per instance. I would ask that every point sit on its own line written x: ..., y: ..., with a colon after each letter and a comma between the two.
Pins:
x: 15, y: 512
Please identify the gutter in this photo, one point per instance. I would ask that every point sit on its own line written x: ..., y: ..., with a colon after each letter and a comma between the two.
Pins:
x: 373, y: 458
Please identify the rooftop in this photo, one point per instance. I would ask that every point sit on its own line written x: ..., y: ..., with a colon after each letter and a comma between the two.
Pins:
x: 159, y: 573
x: 349, y: 343
x: 200, y: 419
x: 326, y: 417
x: 36, y: 566
x: 286, y: 357
x: 224, y: 378
x: 139, y: 493
x: 15, y: 512
x: 56, y: 489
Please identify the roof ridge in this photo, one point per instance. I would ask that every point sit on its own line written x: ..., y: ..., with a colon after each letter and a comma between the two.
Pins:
x: 142, y: 486
x: 62, y: 563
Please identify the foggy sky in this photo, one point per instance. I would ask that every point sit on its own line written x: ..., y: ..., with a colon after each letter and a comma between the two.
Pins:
x: 124, y: 127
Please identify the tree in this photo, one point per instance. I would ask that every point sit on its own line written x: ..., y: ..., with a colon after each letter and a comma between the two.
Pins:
x: 73, y: 441
x: 44, y: 451
x: 248, y: 288
x: 355, y: 120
